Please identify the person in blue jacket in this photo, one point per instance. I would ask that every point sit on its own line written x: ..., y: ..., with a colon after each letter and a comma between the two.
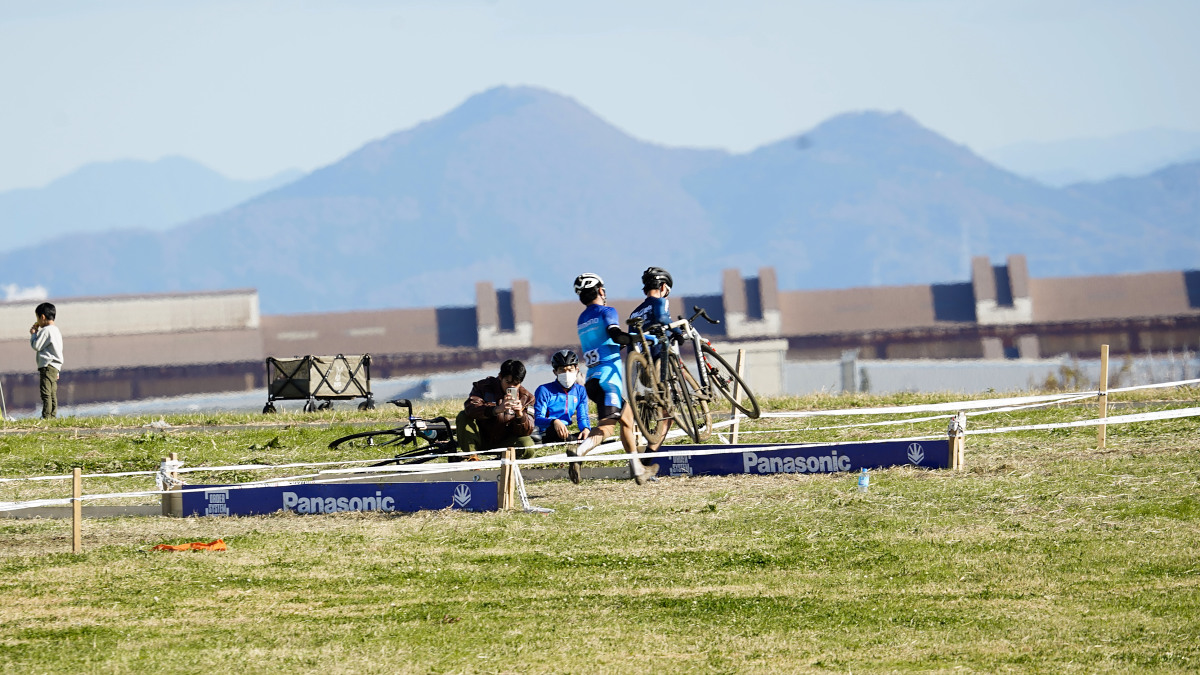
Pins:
x: 555, y: 403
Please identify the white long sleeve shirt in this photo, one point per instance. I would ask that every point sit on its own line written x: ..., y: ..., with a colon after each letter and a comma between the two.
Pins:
x: 48, y: 344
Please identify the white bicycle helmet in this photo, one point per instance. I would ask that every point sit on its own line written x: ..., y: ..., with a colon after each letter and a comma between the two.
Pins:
x: 587, y: 280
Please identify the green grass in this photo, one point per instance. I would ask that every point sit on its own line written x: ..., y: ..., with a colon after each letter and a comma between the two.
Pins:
x: 1045, y: 555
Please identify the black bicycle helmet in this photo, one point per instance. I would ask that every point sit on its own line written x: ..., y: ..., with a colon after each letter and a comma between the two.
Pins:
x: 654, y: 277
x: 586, y: 281
x: 564, y: 358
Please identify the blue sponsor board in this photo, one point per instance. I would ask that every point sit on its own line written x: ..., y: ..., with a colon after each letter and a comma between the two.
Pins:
x: 337, y: 497
x: 765, y: 459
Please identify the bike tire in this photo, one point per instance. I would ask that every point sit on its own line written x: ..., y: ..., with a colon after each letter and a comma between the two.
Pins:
x: 425, y: 453
x: 704, y: 412
x: 370, y: 439
x: 640, y: 394
x: 684, y: 404
x: 722, y: 377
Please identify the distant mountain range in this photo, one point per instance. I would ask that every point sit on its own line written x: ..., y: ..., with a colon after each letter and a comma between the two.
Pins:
x: 126, y: 194
x: 1062, y: 163
x: 524, y: 183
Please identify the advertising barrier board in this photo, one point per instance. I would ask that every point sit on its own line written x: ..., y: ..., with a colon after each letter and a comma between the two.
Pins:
x: 764, y: 459
x: 336, y: 497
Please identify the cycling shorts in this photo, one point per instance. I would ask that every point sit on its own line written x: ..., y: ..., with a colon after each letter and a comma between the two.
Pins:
x: 606, y: 389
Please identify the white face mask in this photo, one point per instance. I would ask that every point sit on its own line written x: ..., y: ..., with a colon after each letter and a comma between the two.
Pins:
x: 566, y: 379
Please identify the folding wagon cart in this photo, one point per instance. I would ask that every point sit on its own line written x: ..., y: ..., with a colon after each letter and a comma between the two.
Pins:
x: 319, y: 378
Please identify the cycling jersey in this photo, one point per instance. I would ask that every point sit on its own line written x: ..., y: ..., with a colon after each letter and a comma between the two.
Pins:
x: 602, y: 355
x: 551, y: 403
x: 598, y: 347
x: 653, y: 312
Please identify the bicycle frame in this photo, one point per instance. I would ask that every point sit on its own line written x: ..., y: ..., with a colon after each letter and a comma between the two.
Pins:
x: 692, y: 335
x: 658, y: 374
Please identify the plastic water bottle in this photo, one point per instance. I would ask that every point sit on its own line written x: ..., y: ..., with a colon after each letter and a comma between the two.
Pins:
x: 864, y: 480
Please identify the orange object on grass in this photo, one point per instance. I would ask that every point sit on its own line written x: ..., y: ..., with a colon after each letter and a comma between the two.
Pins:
x: 218, y: 545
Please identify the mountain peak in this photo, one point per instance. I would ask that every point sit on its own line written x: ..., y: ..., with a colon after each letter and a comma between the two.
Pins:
x: 506, y: 102
x: 871, y: 126
x: 505, y: 99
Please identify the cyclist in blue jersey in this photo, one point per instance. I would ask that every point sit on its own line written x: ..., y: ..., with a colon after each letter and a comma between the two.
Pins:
x: 655, y: 311
x: 555, y: 403
x: 601, y: 337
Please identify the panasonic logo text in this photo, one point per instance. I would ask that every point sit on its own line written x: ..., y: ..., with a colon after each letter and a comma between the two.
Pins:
x: 294, y: 502
x: 752, y: 463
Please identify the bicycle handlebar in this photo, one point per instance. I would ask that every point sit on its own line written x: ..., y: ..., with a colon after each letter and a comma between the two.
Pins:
x: 699, y: 311
x: 403, y: 403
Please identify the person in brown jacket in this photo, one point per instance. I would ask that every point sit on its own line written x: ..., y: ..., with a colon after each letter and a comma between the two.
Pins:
x: 498, y: 413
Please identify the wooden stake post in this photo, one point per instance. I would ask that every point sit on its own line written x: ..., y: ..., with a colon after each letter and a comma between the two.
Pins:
x: 172, y: 504
x: 737, y: 415
x: 1102, y: 429
x: 508, y: 485
x: 958, y: 439
x: 77, y: 510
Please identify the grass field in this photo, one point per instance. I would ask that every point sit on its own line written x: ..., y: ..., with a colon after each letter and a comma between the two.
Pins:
x: 1044, y: 555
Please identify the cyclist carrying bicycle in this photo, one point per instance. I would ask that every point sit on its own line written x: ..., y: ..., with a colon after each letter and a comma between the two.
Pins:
x: 655, y: 311
x: 601, y: 337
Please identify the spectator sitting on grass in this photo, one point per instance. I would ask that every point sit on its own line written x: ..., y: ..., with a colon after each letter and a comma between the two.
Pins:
x: 556, y: 402
x: 497, y: 413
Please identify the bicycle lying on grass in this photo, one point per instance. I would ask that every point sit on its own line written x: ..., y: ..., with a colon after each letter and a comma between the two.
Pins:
x: 436, y: 434
x: 661, y: 387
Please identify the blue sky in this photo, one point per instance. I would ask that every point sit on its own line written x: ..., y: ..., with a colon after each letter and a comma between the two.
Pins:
x: 254, y: 87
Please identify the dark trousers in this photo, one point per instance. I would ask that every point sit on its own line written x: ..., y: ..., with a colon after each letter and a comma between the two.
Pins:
x: 551, y: 436
x: 48, y: 378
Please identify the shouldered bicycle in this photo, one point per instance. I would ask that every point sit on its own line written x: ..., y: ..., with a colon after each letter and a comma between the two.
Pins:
x: 660, y: 387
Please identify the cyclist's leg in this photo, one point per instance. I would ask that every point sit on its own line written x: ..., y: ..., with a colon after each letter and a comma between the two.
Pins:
x: 637, y: 470
x: 607, y: 393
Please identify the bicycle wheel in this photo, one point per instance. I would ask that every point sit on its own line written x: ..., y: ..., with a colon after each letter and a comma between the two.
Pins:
x: 703, y: 414
x: 681, y: 398
x: 723, y: 378
x: 643, y: 397
x: 370, y: 439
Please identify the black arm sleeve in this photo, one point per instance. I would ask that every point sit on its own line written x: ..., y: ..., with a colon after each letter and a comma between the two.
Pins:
x: 619, y: 336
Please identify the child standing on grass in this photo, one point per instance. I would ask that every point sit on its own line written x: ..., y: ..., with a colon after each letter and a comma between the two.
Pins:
x: 46, y: 340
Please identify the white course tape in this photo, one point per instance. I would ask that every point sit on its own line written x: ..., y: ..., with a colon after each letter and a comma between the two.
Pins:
x: 1117, y: 419
x: 934, y: 407
x: 914, y: 420
x: 193, y: 469
x: 1161, y: 385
